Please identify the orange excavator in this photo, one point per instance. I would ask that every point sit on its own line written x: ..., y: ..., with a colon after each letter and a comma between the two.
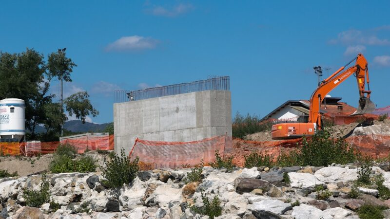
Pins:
x: 360, y: 70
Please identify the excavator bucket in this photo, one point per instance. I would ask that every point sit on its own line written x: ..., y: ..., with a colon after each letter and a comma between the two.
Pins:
x: 365, y: 106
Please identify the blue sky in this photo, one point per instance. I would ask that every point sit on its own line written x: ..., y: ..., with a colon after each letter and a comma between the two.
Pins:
x: 268, y: 48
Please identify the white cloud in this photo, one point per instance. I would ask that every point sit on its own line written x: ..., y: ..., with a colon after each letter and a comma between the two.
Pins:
x: 171, y: 12
x: 382, y: 60
x: 104, y: 88
x: 73, y: 117
x: 359, y: 37
x: 143, y: 86
x: 132, y: 43
x: 354, y: 50
x: 69, y: 89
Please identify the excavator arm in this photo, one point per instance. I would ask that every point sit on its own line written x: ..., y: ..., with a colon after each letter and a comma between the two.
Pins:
x: 360, y: 69
x: 297, y: 130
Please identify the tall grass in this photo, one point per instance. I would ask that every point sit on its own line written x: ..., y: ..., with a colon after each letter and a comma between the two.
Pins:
x: 243, y: 126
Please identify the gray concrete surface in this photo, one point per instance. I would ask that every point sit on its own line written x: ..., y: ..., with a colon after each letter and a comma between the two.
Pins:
x: 183, y: 117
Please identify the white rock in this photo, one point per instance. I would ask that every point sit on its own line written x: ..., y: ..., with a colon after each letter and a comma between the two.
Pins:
x: 165, y: 194
x: 340, y: 213
x: 62, y: 200
x: 235, y: 203
x: 274, y: 206
x: 228, y: 216
x: 98, y: 201
x: 249, y: 173
x: 257, y: 198
x: 131, y: 197
x: 332, y: 187
x: 373, y: 192
x: 137, y: 212
x: 9, y: 188
x: 336, y: 174
x: 303, y: 180
x: 61, y: 186
x: 307, y: 212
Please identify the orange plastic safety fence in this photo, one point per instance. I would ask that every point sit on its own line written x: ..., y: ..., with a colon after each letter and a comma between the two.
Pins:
x: 160, y: 154
x: 89, y: 143
x: 9, y: 148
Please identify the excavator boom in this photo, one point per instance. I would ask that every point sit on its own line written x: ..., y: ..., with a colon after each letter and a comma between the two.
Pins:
x: 360, y: 70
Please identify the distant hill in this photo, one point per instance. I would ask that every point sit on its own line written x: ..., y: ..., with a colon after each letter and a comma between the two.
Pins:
x: 381, y: 111
x: 78, y: 126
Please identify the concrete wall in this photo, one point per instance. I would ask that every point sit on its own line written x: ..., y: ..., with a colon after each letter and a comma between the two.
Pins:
x: 183, y: 117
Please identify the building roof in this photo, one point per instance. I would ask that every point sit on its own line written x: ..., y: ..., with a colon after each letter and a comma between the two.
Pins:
x: 330, y: 106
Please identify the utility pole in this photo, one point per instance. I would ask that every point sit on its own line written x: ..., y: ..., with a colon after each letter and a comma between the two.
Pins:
x: 318, y: 71
x: 62, y: 53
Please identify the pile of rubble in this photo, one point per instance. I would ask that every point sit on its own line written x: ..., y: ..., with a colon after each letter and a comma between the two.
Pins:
x: 258, y: 192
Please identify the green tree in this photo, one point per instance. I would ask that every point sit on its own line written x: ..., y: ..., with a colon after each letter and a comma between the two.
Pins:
x: 110, y: 128
x: 79, y: 105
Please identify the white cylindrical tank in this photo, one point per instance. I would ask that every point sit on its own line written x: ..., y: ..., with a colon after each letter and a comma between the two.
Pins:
x: 12, y: 124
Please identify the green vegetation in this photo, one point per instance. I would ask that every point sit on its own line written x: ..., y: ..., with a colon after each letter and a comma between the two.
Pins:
x: 257, y: 160
x: 37, y: 198
x: 5, y: 173
x: 120, y: 170
x: 54, y: 206
x: 364, y: 171
x: 354, y: 193
x: 28, y: 76
x: 322, y: 193
x: 196, y: 173
x: 226, y: 162
x: 64, y: 161
x: 243, y: 126
x: 296, y: 203
x: 384, y: 192
x: 383, y: 117
x: 286, y: 178
x: 370, y: 212
x: 210, y: 208
x: 110, y: 128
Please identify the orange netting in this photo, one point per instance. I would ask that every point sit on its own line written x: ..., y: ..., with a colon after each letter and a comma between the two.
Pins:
x: 32, y: 148
x: 160, y: 154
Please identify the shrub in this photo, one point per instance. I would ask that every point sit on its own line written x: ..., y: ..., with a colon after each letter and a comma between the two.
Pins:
x: 288, y: 160
x: 196, y: 174
x: 120, y: 170
x: 54, y: 206
x: 322, y: 193
x: 354, y: 193
x: 211, y: 209
x: 37, y: 198
x: 65, y: 164
x: 384, y: 192
x: 383, y: 117
x: 286, y: 178
x: 243, y: 126
x: 364, y: 171
x: 296, y: 203
x: 226, y: 162
x: 5, y: 173
x: 257, y: 160
x: 370, y: 212
x: 320, y: 150
x: 66, y: 150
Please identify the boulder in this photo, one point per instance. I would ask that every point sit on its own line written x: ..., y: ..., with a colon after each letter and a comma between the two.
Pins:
x: 9, y: 188
x: 336, y: 174
x: 92, y: 180
x: 303, y: 180
x: 160, y: 213
x: 112, y: 205
x: 273, y: 206
x: 250, y: 173
x: 274, y: 177
x: 354, y: 204
x: 165, y: 194
x: 144, y: 175
x: 306, y: 212
x: 244, y: 185
x: 318, y: 204
x: 371, y: 200
x: 368, y: 191
x: 28, y: 213
x: 130, y: 197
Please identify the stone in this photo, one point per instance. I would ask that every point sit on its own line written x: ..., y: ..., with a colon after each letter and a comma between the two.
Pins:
x: 373, y: 192
x: 175, y: 212
x: 290, y: 169
x: 189, y: 189
x: 318, y: 204
x: 336, y: 174
x: 244, y: 185
x: 236, y: 203
x: 371, y: 200
x: 160, y: 213
x: 28, y: 212
x: 275, y: 192
x: 266, y: 169
x: 340, y: 184
x: 386, y: 213
x: 304, y: 211
x: 257, y: 191
x: 144, y: 175
x: 9, y: 188
x: 92, y: 180
x: 345, y: 190
x: 112, y: 205
x: 339, y: 213
x: 165, y: 194
x: 332, y: 187
x: 164, y: 175
x: 273, y: 206
x: 12, y: 206
x: 306, y: 170
x: 303, y: 180
x: 354, y: 204
x: 274, y: 177
x: 387, y: 202
x: 137, y: 212
x: 334, y: 204
x: 265, y: 215
x: 250, y: 173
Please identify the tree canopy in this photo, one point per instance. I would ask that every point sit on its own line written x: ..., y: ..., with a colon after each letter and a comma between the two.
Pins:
x: 27, y: 76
